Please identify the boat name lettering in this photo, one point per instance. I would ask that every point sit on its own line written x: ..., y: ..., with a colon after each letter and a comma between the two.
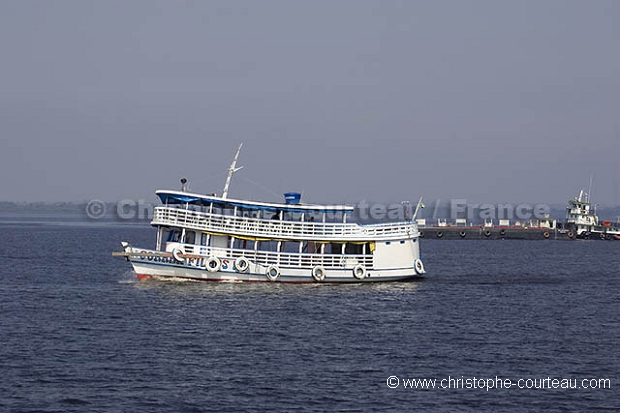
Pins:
x: 192, y: 262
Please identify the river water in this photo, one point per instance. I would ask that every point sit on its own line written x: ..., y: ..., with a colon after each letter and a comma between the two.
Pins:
x: 80, y: 333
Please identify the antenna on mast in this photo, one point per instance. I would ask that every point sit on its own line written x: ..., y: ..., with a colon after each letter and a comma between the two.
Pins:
x: 231, y: 170
x: 589, y: 197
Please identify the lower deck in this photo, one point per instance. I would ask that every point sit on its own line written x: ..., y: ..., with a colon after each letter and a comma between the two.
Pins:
x: 197, y: 255
x: 329, y: 262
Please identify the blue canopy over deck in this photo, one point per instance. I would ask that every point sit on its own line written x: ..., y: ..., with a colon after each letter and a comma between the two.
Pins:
x: 179, y: 197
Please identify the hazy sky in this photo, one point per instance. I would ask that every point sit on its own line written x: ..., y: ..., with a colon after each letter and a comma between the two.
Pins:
x: 491, y: 101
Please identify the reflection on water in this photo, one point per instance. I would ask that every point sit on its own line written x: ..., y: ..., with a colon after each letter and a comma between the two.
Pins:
x: 257, y: 289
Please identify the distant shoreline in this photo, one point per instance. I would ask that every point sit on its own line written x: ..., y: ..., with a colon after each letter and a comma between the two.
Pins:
x: 49, y: 207
x: 79, y: 210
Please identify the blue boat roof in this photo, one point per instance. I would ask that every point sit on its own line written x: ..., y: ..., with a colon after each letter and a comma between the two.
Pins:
x: 179, y: 197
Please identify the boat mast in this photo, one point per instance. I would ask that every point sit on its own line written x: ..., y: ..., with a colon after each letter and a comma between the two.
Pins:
x: 417, y: 208
x: 231, y: 171
x: 589, y: 197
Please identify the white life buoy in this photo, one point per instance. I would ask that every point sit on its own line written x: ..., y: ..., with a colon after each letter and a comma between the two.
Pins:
x: 359, y: 271
x: 273, y: 273
x: 318, y: 273
x: 176, y: 253
x: 242, y: 264
x: 213, y: 264
x: 418, y: 266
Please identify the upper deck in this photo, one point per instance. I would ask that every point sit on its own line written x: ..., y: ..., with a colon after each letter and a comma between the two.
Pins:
x: 210, y: 201
x: 260, y: 220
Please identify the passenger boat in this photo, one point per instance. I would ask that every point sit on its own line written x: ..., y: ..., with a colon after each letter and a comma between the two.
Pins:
x: 217, y: 238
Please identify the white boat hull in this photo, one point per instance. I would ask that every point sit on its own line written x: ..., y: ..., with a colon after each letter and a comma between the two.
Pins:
x: 154, y: 265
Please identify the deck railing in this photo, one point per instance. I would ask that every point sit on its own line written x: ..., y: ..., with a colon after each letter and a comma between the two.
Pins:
x: 276, y: 229
x: 284, y: 259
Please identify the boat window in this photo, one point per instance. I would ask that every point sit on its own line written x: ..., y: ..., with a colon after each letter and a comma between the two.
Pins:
x: 358, y: 248
x: 203, y: 239
x: 311, y: 247
x: 243, y: 244
x: 354, y: 248
x: 173, y: 236
x: 336, y: 216
x: 219, y: 241
x: 290, y: 247
x: 335, y: 248
x: 190, y: 237
x: 313, y: 216
x: 229, y: 211
x: 292, y: 216
x: 268, y: 246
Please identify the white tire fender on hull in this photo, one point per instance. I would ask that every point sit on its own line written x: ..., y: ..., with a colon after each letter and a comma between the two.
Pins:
x: 273, y: 273
x: 176, y: 253
x: 359, y: 271
x: 418, y: 266
x: 242, y: 264
x: 213, y: 264
x: 318, y: 273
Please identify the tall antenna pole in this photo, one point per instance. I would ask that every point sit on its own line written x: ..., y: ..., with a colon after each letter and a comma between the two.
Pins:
x: 590, y: 189
x: 231, y: 170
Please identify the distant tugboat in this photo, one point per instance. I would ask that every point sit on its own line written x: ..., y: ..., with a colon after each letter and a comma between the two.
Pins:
x: 216, y: 238
x: 581, y: 223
